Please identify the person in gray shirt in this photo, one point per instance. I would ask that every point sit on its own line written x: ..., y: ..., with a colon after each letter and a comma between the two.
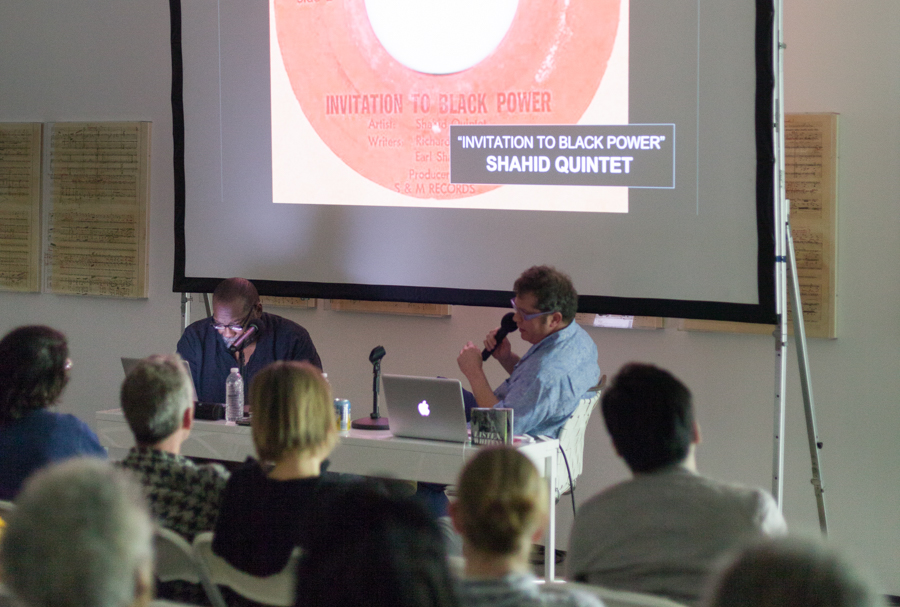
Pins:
x: 662, y: 531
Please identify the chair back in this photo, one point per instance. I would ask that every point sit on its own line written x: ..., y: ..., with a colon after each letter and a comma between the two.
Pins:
x: 278, y: 589
x: 175, y: 560
x: 571, y: 440
x: 6, y: 508
x: 613, y: 598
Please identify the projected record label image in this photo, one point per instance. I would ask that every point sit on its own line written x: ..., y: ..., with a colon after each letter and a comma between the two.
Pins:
x: 380, y: 82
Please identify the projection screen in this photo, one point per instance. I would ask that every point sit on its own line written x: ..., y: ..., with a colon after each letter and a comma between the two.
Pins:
x: 389, y: 150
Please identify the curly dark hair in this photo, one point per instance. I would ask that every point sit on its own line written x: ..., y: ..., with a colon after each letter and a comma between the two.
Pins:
x: 552, y: 289
x: 32, y: 370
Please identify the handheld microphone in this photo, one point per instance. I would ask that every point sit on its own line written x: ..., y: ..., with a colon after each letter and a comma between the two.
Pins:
x: 243, y: 340
x: 507, y: 326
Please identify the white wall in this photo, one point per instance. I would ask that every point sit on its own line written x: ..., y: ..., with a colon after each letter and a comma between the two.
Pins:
x: 109, y: 60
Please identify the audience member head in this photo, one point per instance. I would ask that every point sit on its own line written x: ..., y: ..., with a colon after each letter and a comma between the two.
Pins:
x: 80, y: 536
x: 501, y: 504
x: 235, y: 305
x: 292, y: 411
x: 788, y: 572
x: 649, y: 416
x: 553, y: 291
x: 34, y: 369
x: 156, y: 399
x: 373, y: 549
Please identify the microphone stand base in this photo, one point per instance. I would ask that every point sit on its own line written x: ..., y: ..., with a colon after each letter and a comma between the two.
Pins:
x: 367, y: 423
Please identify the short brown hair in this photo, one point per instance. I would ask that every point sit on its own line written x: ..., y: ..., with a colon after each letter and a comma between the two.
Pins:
x: 501, y: 500
x: 292, y: 410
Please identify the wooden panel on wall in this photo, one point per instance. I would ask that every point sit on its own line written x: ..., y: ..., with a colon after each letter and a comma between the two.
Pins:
x: 288, y: 302
x: 391, y: 307
x: 616, y: 321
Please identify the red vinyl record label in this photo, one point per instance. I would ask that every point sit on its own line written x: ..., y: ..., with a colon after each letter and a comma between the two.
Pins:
x: 390, y: 124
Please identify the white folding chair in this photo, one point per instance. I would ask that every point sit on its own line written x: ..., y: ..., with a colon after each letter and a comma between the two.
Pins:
x: 6, y: 597
x: 278, y: 589
x: 175, y: 560
x: 571, y: 457
x: 614, y: 598
x: 571, y: 440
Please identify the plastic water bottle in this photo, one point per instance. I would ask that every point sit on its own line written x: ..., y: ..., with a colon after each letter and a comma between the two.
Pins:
x: 234, y: 396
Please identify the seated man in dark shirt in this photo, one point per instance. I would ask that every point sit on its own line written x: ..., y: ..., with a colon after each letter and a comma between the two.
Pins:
x: 236, y: 308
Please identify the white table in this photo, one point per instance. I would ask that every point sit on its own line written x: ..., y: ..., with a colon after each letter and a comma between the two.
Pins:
x: 364, y: 452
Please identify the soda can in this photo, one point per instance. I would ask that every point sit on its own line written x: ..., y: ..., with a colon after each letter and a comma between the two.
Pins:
x: 342, y: 414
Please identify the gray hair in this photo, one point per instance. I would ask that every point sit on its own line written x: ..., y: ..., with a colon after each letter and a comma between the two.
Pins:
x: 786, y: 572
x: 80, y: 536
x: 154, y: 397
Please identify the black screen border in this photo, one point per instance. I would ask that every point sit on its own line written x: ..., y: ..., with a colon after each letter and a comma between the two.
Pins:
x: 763, y: 312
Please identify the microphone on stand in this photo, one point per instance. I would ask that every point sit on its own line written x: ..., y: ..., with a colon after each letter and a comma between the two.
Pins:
x: 507, y: 326
x: 243, y: 340
x: 374, y: 421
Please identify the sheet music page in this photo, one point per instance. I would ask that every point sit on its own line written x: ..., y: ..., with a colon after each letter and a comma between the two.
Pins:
x: 810, y: 164
x: 20, y: 206
x: 96, y: 241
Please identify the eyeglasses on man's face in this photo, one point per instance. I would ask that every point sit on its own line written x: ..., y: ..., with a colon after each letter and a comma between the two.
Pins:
x: 234, y: 327
x: 525, y: 315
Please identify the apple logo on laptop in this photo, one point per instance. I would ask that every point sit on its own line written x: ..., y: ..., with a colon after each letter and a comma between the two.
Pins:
x: 424, y: 410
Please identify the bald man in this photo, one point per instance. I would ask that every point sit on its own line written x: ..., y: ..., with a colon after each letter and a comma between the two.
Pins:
x: 236, y: 306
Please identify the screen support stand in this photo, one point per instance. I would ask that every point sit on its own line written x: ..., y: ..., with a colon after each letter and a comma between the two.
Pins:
x: 786, y: 268
x: 815, y: 445
x: 186, y: 300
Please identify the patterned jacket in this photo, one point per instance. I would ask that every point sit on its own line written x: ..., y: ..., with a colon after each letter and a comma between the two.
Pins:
x: 183, y: 495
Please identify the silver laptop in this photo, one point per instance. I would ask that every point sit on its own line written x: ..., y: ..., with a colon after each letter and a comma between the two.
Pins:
x: 426, y: 407
x: 130, y: 363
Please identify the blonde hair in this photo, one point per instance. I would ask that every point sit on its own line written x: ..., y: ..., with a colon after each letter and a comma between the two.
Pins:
x: 501, y: 499
x: 292, y: 410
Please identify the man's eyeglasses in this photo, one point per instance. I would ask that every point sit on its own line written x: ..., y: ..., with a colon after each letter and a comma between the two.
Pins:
x: 236, y: 328
x: 524, y: 314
